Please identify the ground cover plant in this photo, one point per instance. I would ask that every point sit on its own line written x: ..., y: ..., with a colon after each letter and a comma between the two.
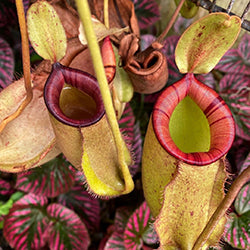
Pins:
x: 122, y: 127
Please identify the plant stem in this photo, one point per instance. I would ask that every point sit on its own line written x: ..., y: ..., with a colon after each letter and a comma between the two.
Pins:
x: 161, y: 37
x: 106, y: 13
x: 222, y: 209
x: 26, y: 65
x: 85, y: 15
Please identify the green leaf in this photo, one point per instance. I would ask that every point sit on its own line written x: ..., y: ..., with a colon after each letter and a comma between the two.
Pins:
x: 5, y: 208
x: 188, y: 9
x: 203, y: 44
x: 122, y: 83
x: 16, y: 196
x: 46, y: 32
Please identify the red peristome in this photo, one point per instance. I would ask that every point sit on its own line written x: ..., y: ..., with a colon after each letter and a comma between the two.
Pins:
x: 108, y: 58
x: 78, y: 79
x: 222, y: 127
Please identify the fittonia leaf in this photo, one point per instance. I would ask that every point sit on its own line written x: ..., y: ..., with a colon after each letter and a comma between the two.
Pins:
x: 115, y: 241
x: 132, y: 136
x: 66, y: 230
x: 234, y: 89
x: 52, y: 179
x: 32, y: 224
x: 6, y: 64
x: 147, y: 12
x: 237, y: 230
x: 8, y: 15
x: 25, y: 225
x: 237, y: 60
x: 80, y: 201
x: 5, y: 188
x: 203, y: 44
x: 137, y: 228
x: 137, y: 150
x: 246, y: 163
x: 126, y: 123
x: 146, y: 41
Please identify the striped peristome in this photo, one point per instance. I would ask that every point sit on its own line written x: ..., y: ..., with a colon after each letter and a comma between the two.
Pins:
x: 222, y: 128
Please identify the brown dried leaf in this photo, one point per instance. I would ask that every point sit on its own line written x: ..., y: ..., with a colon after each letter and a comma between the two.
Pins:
x: 147, y: 69
x: 68, y: 16
x: 100, y: 30
x: 121, y: 15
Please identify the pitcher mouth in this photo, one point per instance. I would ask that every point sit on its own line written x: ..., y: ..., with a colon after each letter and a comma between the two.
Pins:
x: 78, y: 79
x: 218, y: 115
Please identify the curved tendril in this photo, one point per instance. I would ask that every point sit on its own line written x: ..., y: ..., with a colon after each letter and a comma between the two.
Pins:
x: 26, y: 66
x: 160, y: 39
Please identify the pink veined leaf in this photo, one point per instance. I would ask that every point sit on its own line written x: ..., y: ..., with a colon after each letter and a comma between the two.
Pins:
x: 234, y: 89
x: 86, y: 206
x: 136, y: 150
x: 137, y: 225
x: 26, y: 223
x: 240, y: 151
x: 52, y: 179
x: 246, y: 163
x: 121, y: 217
x: 237, y: 232
x: 237, y: 60
x: 181, y: 24
x: 150, y: 236
x: 8, y: 15
x: 66, y: 230
x: 244, y: 47
x: 6, y: 64
x: 132, y: 136
x: 5, y: 188
x: 147, y: 12
x: 126, y: 124
x: 115, y: 242
x: 170, y: 44
x: 207, y: 79
x: 146, y: 41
